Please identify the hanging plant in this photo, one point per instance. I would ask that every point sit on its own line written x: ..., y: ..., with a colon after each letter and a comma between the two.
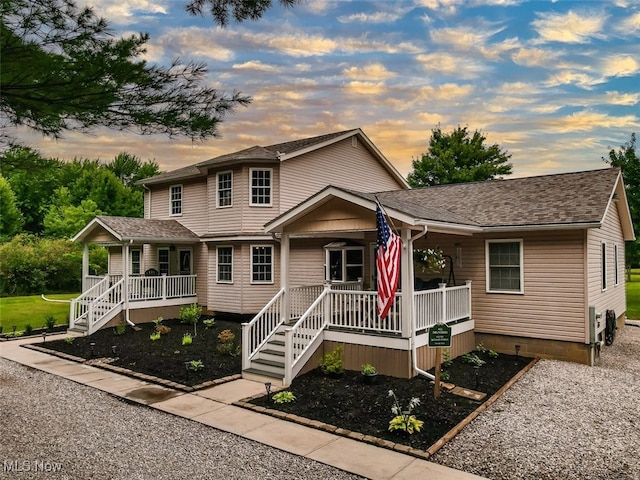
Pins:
x: 430, y: 260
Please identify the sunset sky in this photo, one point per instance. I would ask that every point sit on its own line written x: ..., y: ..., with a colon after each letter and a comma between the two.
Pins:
x: 556, y: 84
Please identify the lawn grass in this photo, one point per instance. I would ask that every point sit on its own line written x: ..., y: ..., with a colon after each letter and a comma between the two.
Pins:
x: 633, y: 295
x: 32, y: 310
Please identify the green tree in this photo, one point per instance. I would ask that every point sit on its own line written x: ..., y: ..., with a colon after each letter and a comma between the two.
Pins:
x: 458, y: 157
x: 129, y: 169
x: 240, y: 10
x: 627, y: 159
x: 62, y: 69
x: 64, y: 220
x: 10, y: 217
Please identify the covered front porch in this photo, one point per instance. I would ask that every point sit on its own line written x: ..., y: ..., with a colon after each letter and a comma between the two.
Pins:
x: 150, y: 266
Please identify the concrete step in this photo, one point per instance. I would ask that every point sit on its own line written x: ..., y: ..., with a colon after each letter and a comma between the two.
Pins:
x: 261, y: 376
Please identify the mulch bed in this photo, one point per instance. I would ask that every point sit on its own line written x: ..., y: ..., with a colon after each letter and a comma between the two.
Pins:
x: 164, y: 358
x: 347, y: 402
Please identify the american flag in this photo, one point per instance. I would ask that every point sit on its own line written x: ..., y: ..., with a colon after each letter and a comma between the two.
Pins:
x: 387, y: 263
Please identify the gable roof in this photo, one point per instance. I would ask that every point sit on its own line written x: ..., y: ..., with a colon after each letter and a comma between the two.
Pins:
x: 124, y: 229
x: 579, y: 199
x: 277, y: 152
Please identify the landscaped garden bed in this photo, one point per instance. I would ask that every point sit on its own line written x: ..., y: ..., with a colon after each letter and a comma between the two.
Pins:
x: 347, y: 402
x: 166, y: 357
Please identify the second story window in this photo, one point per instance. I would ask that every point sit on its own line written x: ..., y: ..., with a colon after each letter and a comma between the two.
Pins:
x: 175, y: 200
x: 260, y: 185
x: 225, y: 189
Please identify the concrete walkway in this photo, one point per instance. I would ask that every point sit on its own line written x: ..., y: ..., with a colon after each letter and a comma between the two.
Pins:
x: 213, y: 407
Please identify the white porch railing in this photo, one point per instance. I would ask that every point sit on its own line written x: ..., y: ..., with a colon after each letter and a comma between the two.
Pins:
x: 357, y: 310
x: 256, y: 332
x: 79, y: 308
x: 442, y: 305
x: 162, y: 287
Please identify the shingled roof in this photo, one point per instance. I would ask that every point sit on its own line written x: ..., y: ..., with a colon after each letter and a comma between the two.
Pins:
x: 255, y: 153
x: 140, y: 229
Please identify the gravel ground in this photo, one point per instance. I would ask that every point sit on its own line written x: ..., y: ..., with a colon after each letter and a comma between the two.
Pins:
x: 560, y: 421
x: 47, y: 420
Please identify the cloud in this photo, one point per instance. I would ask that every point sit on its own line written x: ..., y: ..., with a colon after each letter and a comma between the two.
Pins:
x: 366, y: 88
x: 629, y: 25
x: 587, y: 120
x: 125, y: 12
x: 446, y: 92
x: 622, y: 98
x: 454, y: 65
x: 194, y: 42
x: 568, y: 77
x: 568, y: 28
x: 535, y: 57
x: 255, y: 65
x: 373, y: 71
x: 621, y: 66
x: 383, y: 16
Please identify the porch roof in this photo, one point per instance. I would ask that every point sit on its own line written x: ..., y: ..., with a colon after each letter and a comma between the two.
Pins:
x: 567, y: 200
x: 125, y: 229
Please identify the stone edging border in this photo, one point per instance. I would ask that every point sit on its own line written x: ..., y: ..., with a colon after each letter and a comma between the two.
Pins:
x: 379, y: 442
x: 137, y: 375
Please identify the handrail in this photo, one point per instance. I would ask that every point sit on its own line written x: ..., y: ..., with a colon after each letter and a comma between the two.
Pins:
x: 256, y: 332
x: 80, y: 305
x: 112, y: 298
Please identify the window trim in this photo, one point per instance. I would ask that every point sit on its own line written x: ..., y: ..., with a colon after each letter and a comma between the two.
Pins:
x: 616, y: 265
x: 139, y: 262
x: 343, y: 250
x: 251, y: 170
x: 603, y: 267
x: 230, y: 173
x: 230, y: 281
x: 262, y: 282
x: 488, y: 265
x: 164, y: 249
x: 171, y: 200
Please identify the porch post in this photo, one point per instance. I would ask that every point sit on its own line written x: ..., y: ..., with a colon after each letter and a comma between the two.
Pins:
x: 406, y: 280
x: 125, y: 283
x: 85, y: 265
x: 284, y: 276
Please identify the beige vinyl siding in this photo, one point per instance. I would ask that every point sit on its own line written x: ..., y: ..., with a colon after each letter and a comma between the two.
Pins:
x: 194, y: 205
x: 553, y: 303
x: 115, y: 260
x: 340, y: 164
x: 241, y: 296
x: 200, y: 264
x: 614, y: 297
x: 306, y: 261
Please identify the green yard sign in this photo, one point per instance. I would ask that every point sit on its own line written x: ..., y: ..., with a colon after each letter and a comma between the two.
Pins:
x: 440, y: 335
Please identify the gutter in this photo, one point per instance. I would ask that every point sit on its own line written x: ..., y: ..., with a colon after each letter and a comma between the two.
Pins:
x: 414, y: 354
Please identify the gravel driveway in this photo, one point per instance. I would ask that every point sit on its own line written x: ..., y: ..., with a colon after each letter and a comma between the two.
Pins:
x: 560, y: 421
x: 47, y: 420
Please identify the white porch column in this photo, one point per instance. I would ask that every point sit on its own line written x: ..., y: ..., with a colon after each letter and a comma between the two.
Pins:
x: 406, y: 279
x: 125, y: 284
x: 284, y: 276
x: 85, y: 265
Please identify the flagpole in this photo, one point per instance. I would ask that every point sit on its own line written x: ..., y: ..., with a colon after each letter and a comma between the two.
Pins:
x: 386, y: 214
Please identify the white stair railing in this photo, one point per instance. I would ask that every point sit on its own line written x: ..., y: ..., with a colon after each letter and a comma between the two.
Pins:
x: 101, y: 309
x: 256, y: 332
x: 79, y: 308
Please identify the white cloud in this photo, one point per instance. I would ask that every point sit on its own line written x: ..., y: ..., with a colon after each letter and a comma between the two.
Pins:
x: 390, y: 14
x: 570, y: 27
x: 535, y: 57
x: 125, y: 12
x: 446, y: 63
x: 195, y: 42
x: 622, y: 98
x: 621, y: 66
x: 255, y: 65
x: 629, y: 25
x: 373, y: 71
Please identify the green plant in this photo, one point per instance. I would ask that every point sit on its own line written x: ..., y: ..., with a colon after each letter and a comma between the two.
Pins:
x: 225, y: 345
x: 331, y: 363
x: 473, y: 359
x: 191, y: 314
x: 446, y: 359
x: 283, y: 397
x: 209, y: 323
x: 154, y: 336
x: 195, y: 365
x: 444, y: 376
x: 368, y: 369
x: 158, y: 321
x: 49, y: 322
x: 403, y: 419
x: 28, y: 329
x: 70, y: 340
x: 481, y: 348
x: 120, y: 329
x: 493, y: 354
x: 187, y: 339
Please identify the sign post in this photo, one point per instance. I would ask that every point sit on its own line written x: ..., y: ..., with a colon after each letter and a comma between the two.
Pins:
x: 439, y: 337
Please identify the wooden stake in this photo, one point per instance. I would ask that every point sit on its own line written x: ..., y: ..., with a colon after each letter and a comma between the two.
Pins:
x: 436, y: 386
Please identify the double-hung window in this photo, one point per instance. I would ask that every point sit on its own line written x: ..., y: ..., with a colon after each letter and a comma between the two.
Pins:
x: 345, y: 264
x: 163, y: 261
x: 225, y: 189
x: 505, y: 272
x: 225, y: 264
x: 261, y: 264
x: 175, y: 199
x: 260, y: 187
x: 136, y: 258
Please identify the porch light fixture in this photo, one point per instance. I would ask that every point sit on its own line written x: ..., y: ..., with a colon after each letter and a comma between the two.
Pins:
x: 44, y: 337
x: 267, y: 386
x: 113, y: 349
x: 92, y: 345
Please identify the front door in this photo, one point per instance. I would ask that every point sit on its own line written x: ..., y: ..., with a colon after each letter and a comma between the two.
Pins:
x: 185, y: 261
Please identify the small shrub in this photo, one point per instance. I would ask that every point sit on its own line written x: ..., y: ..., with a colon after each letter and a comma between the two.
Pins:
x: 209, y: 323
x: 331, y: 363
x: 283, y: 397
x: 403, y: 419
x: 70, y: 340
x: 368, y: 369
x: 446, y: 359
x: 191, y: 314
x: 154, y: 336
x: 444, y: 376
x: 187, y: 339
x: 195, y: 365
x: 120, y: 329
x: 225, y: 344
x: 473, y: 359
x: 158, y: 321
x: 163, y: 329
x: 493, y: 354
x: 49, y: 322
x: 28, y: 329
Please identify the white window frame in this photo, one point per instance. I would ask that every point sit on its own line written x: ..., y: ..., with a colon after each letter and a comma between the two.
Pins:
x: 251, y: 187
x: 218, y: 280
x: 345, y: 265
x: 603, y: 266
x: 168, y: 262
x: 616, y: 265
x: 262, y: 282
x: 138, y: 262
x: 219, y: 190
x: 177, y: 202
x: 488, y: 265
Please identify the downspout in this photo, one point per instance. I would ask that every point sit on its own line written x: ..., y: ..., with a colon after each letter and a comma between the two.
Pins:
x: 149, y: 198
x: 414, y: 354
x: 125, y: 286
